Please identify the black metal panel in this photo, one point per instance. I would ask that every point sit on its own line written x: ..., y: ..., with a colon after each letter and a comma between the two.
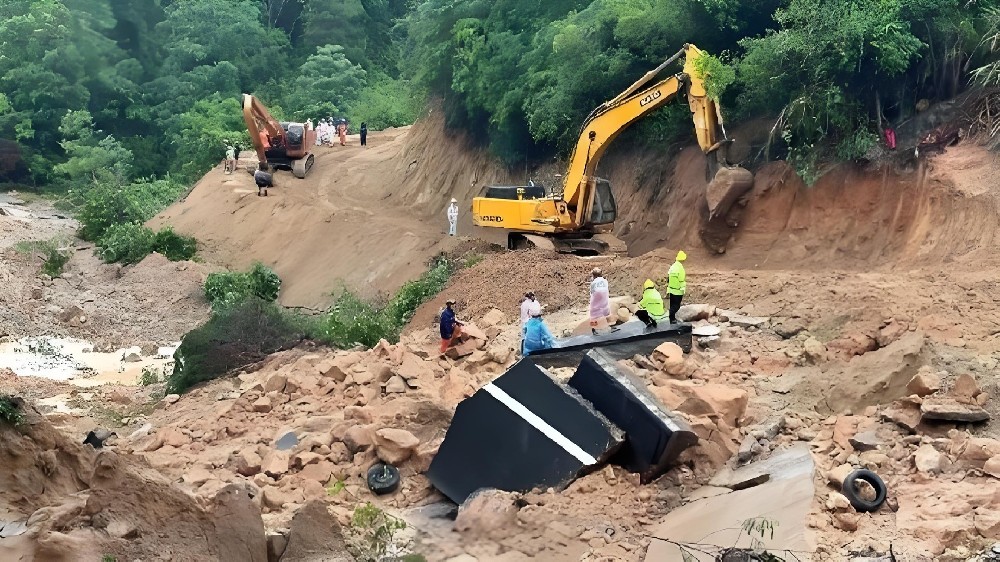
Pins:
x: 558, y: 406
x: 631, y: 338
x: 654, y: 436
x: 489, y: 445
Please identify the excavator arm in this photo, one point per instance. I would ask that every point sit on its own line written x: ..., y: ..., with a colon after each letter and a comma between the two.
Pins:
x: 605, y: 123
x: 585, y: 209
x: 259, y: 119
x: 278, y: 144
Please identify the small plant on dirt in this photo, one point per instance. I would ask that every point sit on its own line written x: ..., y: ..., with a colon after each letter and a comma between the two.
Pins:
x: 755, y: 553
x: 150, y: 376
x: 10, y: 410
x: 372, y: 533
x: 336, y: 488
x: 55, y: 261
x: 109, y: 558
x: 55, y: 253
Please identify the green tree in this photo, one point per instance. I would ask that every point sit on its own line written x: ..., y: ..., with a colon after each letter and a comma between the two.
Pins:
x: 200, y: 135
x: 92, y: 157
x: 327, y: 84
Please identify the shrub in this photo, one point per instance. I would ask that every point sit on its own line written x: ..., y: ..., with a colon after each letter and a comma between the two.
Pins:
x: 55, y: 261
x: 229, y: 288
x: 353, y: 320
x: 10, y: 410
x: 54, y: 252
x: 372, y: 533
x: 126, y: 243
x: 106, y: 205
x: 129, y: 243
x: 149, y: 376
x: 234, y: 337
x: 175, y: 247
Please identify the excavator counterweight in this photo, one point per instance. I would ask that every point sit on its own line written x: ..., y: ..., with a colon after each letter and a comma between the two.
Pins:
x: 580, y: 218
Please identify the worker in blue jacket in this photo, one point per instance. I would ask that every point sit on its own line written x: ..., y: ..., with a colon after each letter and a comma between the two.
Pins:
x: 536, y: 334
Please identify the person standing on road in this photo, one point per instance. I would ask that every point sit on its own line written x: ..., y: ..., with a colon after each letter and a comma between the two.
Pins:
x: 364, y: 134
x: 230, y: 159
x: 342, y: 132
x: 451, y: 328
x: 536, y: 334
x: 651, y: 305
x: 600, y: 299
x: 676, y: 285
x: 453, y: 217
x: 529, y: 298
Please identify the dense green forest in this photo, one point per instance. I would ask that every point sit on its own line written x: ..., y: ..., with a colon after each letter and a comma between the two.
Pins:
x: 101, y: 93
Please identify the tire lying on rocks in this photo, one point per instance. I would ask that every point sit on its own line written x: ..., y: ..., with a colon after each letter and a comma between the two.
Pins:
x: 383, y: 479
x: 859, y: 503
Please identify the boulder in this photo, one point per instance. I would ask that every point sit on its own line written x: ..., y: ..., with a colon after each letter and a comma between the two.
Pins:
x: 865, y: 441
x: 262, y: 405
x: 838, y: 474
x: 244, y: 463
x: 728, y: 185
x: 726, y: 402
x: 394, y: 446
x: 927, y: 459
x: 358, y: 438
x: 173, y: 437
x: 903, y: 413
x: 890, y: 333
x: 334, y: 369
x: 992, y: 466
x: 965, y: 388
x: 853, y: 344
x: 395, y: 385
x: 275, y: 463
x: 276, y: 383
x: 623, y: 315
x: 838, y: 502
x: 747, y: 321
x: 692, y: 312
x: 320, y: 471
x: 814, y: 350
x: 790, y: 328
x: 949, y: 409
x: 980, y: 449
x: 315, y: 535
x: 487, y: 510
x: 493, y: 318
x: 924, y: 383
x: 171, y: 398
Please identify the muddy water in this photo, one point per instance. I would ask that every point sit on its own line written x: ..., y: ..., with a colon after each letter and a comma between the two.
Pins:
x: 76, y: 362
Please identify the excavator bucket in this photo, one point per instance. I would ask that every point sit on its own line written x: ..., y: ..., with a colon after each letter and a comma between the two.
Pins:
x: 729, y: 184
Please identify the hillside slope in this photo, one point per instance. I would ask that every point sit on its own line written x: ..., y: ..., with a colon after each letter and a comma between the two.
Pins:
x: 370, y: 218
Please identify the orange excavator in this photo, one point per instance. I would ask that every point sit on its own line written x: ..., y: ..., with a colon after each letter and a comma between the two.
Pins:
x: 282, y: 144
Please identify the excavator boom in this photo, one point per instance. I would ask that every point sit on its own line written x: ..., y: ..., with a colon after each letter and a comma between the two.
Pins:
x: 278, y: 144
x: 586, y: 207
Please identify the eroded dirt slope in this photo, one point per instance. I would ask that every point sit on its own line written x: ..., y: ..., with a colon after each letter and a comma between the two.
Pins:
x: 370, y: 218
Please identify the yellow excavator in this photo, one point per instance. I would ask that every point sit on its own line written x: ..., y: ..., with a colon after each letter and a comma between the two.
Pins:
x: 580, y: 218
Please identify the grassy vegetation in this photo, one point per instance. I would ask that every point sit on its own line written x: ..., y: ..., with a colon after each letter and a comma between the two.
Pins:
x: 353, y: 320
x: 372, y: 534
x: 55, y: 253
x: 129, y: 243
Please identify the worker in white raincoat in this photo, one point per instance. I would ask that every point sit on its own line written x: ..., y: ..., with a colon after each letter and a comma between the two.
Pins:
x: 452, y: 217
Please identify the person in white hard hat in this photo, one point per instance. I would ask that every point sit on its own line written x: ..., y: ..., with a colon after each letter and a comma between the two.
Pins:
x: 452, y: 217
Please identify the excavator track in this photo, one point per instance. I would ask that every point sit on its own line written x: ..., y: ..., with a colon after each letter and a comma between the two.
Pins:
x: 302, y: 166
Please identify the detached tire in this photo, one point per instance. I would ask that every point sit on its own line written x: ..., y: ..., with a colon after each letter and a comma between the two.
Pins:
x: 383, y: 479
x: 851, y: 492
